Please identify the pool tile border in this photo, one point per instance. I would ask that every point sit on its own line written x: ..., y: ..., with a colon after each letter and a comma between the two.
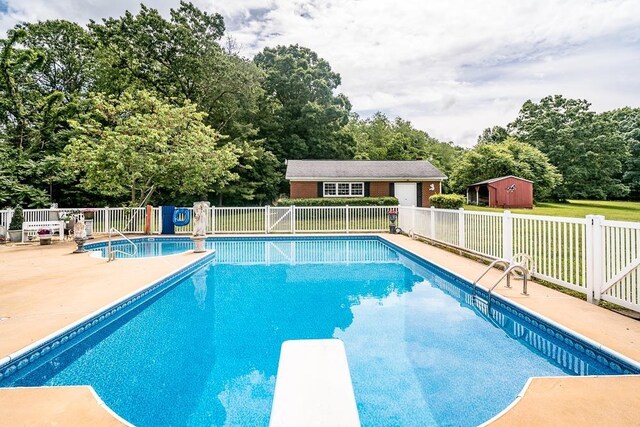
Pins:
x: 62, y: 338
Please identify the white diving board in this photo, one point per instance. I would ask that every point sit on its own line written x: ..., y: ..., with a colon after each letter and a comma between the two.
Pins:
x: 313, y: 386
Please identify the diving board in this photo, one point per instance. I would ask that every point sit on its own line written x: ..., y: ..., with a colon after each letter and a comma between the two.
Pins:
x: 313, y: 386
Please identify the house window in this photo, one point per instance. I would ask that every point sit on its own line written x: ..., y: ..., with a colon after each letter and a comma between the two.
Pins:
x: 343, y: 189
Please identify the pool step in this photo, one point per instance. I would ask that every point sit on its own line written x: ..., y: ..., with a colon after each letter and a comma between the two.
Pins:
x: 313, y: 386
x: 481, y: 304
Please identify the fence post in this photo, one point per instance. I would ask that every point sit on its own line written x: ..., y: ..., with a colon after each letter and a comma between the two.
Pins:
x: 213, y: 219
x: 107, y: 220
x: 347, y: 216
x: 292, y: 211
x: 507, y: 235
x: 267, y: 215
x: 461, y: 241
x: 593, y: 256
x: 413, y: 219
x: 432, y: 226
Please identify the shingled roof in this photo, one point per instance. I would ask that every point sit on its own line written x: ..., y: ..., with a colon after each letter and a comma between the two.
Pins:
x: 492, y: 180
x: 362, y: 169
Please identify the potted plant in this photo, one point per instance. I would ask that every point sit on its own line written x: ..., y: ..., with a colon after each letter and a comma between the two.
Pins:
x: 88, y: 213
x: 44, y: 234
x: 15, y: 227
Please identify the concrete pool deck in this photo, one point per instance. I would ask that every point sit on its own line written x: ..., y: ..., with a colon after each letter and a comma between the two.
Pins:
x: 44, y: 288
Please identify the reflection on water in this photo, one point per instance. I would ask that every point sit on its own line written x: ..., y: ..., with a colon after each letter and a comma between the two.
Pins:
x: 269, y: 252
x: 206, y: 352
x: 199, y: 281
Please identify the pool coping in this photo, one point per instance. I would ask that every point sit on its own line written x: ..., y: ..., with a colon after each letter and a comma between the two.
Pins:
x: 94, y: 395
x: 77, y: 330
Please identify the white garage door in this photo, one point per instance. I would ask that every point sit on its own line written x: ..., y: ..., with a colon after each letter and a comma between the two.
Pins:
x: 406, y: 193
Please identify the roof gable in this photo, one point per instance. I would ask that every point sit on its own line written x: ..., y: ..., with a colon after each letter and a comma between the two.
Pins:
x: 492, y: 180
x: 362, y: 169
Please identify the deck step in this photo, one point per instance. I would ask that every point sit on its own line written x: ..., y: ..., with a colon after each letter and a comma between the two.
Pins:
x: 313, y: 386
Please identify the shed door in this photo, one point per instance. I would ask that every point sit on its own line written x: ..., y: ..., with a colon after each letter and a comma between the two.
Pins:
x: 407, y: 193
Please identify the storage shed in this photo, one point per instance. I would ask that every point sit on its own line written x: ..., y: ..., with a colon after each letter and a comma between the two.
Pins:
x: 504, y: 192
x: 411, y: 181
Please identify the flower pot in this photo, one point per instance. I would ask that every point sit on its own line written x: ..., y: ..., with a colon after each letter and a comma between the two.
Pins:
x: 15, y: 235
x: 45, y: 240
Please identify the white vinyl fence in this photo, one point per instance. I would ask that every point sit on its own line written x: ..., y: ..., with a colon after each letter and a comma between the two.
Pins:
x: 596, y: 257
x: 591, y: 255
x: 266, y: 219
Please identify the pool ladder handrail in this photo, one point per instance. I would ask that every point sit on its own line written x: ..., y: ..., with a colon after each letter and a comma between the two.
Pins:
x: 505, y: 263
x: 111, y: 253
x: 509, y: 267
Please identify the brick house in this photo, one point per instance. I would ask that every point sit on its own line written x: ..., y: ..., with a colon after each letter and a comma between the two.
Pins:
x: 411, y: 181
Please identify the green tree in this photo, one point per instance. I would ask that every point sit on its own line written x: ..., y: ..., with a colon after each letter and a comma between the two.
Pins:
x: 585, y: 147
x: 493, y: 134
x: 628, y: 123
x: 300, y: 116
x: 378, y: 138
x: 150, y: 52
x: 46, y: 69
x: 16, y: 173
x: 181, y: 59
x: 136, y: 144
x: 511, y: 157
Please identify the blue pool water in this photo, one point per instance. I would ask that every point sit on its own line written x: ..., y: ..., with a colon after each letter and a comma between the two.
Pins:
x: 145, y: 247
x: 205, y: 352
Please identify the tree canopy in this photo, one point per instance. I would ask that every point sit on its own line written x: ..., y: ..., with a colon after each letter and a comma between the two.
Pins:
x: 510, y: 157
x: 137, y: 144
x: 91, y: 102
x: 587, y: 148
x: 301, y: 116
x: 378, y: 138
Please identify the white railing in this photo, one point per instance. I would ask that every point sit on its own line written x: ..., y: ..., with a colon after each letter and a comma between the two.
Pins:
x: 619, y: 268
x: 5, y: 218
x: 598, y: 258
x: 128, y: 220
x: 266, y: 219
x: 591, y: 255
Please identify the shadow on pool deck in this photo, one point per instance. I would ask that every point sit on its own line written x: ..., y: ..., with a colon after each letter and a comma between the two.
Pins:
x: 44, y: 288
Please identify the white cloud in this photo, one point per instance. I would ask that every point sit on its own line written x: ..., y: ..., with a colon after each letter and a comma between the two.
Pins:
x: 451, y: 67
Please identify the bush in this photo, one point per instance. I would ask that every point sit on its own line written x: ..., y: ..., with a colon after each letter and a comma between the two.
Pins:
x: 340, y: 201
x: 17, y: 219
x: 447, y: 201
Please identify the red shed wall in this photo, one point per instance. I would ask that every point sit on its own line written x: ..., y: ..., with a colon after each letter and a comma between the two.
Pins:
x: 522, y: 197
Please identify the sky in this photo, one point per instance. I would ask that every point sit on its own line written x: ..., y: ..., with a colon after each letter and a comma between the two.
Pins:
x: 451, y: 67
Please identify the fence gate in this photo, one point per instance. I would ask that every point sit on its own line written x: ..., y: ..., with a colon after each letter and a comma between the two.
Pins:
x: 280, y: 220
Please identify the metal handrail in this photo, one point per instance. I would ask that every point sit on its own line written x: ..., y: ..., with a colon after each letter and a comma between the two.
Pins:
x: 525, y: 274
x: 510, y: 266
x: 111, y: 252
x: 502, y: 261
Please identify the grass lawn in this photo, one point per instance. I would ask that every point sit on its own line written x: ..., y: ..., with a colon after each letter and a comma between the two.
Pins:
x: 619, y: 211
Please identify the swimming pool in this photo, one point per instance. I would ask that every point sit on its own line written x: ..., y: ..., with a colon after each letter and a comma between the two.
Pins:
x: 145, y: 247
x: 204, y: 350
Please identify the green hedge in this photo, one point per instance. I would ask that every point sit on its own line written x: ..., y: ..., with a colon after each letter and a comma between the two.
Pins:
x: 340, y: 201
x: 447, y: 201
x: 17, y: 219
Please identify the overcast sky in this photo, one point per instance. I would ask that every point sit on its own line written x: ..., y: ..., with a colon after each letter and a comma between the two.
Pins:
x: 451, y: 67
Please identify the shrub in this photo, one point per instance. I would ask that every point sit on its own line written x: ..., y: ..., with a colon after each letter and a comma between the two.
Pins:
x: 447, y: 201
x: 340, y: 201
x: 17, y: 219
